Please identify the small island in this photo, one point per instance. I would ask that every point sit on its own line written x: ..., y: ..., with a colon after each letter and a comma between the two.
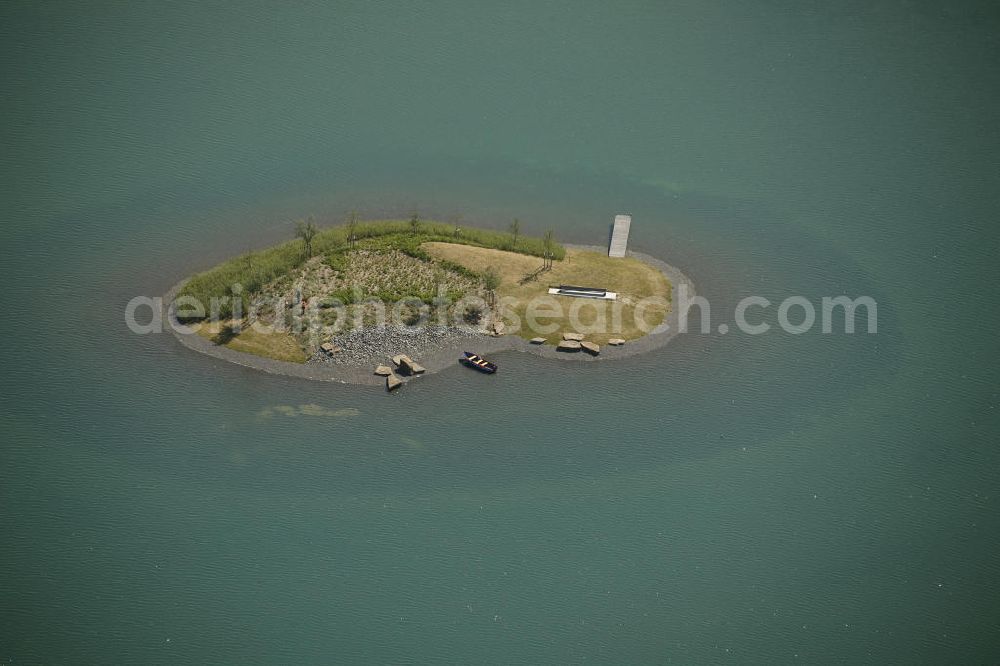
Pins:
x: 339, y: 302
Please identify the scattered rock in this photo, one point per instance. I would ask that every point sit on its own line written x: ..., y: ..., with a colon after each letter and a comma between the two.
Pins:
x: 569, y: 345
x: 392, y: 382
x: 591, y: 348
x: 368, y: 347
x: 330, y: 349
x: 383, y: 371
x: 498, y: 327
x: 407, y: 365
x: 574, y: 337
x: 617, y: 342
x: 538, y: 341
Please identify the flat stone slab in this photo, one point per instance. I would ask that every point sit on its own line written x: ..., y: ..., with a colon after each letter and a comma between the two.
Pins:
x: 591, y: 348
x: 569, y: 345
x: 616, y: 342
x: 575, y: 337
x: 537, y: 341
x: 383, y: 371
x: 392, y: 382
x: 330, y: 349
x: 408, y: 365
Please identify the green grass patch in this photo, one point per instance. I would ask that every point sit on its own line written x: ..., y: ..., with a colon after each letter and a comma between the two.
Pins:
x: 254, y: 270
x: 277, y: 345
x: 632, y: 279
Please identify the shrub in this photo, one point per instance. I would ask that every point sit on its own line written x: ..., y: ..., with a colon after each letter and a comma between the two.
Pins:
x: 472, y: 315
x: 344, y: 296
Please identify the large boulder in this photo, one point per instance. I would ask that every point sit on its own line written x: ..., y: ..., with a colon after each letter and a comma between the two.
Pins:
x: 383, y: 371
x: 330, y: 349
x: 575, y: 337
x: 538, y: 341
x: 591, y: 348
x: 392, y: 382
x: 407, y: 365
x: 616, y: 342
x: 568, y: 346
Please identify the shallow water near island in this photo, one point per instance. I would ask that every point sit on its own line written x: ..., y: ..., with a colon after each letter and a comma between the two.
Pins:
x: 756, y: 498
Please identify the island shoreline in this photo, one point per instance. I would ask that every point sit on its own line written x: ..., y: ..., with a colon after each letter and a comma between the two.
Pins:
x: 442, y: 357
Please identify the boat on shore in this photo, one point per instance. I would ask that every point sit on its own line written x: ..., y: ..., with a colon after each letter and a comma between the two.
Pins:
x: 478, y: 362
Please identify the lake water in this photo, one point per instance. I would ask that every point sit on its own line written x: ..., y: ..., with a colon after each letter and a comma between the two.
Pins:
x: 731, y: 498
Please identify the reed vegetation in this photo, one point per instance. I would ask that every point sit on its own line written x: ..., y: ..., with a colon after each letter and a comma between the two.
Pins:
x: 240, y: 279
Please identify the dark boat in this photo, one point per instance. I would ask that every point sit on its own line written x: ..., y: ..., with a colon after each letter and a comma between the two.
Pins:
x: 478, y: 362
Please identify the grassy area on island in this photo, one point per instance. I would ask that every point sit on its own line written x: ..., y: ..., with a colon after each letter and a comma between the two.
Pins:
x: 345, y: 271
x: 254, y: 271
x: 632, y: 279
x: 278, y: 345
x: 307, y: 290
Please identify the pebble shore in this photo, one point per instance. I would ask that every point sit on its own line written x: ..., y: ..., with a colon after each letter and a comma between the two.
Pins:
x: 373, y: 346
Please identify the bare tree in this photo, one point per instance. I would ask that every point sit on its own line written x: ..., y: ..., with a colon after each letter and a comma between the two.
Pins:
x: 515, y: 231
x: 491, y: 280
x: 548, y: 242
x: 306, y: 230
x: 352, y: 230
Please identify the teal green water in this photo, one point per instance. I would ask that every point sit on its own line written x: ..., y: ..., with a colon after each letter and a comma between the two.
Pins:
x: 748, y: 499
